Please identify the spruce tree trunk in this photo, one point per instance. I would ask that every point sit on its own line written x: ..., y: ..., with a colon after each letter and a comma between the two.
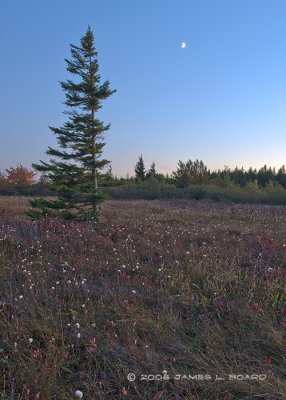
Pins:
x: 94, y: 172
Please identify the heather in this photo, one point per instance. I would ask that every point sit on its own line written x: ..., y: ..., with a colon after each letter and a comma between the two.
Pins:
x: 184, y: 286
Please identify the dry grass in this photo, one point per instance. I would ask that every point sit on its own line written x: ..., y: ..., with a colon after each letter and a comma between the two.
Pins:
x: 183, y: 286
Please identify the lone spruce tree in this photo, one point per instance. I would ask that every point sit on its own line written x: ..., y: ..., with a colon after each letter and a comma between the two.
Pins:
x: 74, y: 168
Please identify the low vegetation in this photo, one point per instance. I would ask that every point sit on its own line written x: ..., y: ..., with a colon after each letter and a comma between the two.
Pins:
x: 191, y: 180
x: 193, y: 288
x: 157, y: 190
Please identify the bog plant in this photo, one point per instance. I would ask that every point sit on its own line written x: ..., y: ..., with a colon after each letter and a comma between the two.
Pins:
x: 75, y: 166
x: 187, y: 287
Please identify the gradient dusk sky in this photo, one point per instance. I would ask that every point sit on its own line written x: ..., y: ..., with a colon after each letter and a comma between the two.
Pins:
x: 221, y: 99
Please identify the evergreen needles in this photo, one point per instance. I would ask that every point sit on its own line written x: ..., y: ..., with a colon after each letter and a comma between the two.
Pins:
x: 75, y: 166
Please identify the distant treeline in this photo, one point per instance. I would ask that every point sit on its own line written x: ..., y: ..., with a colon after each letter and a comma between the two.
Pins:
x: 197, y: 173
x: 188, y: 175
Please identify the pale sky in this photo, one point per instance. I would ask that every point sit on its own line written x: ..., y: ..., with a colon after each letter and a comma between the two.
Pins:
x: 221, y: 99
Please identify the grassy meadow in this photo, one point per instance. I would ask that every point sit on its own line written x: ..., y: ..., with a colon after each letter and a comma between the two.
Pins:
x: 196, y: 289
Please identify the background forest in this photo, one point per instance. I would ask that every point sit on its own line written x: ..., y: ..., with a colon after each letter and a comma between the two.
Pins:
x: 192, y: 179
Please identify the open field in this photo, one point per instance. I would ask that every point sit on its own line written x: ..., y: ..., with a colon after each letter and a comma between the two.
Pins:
x: 194, y: 288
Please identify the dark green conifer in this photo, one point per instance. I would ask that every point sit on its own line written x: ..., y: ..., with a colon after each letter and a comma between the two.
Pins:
x: 151, y: 173
x: 75, y: 166
x: 140, y: 170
